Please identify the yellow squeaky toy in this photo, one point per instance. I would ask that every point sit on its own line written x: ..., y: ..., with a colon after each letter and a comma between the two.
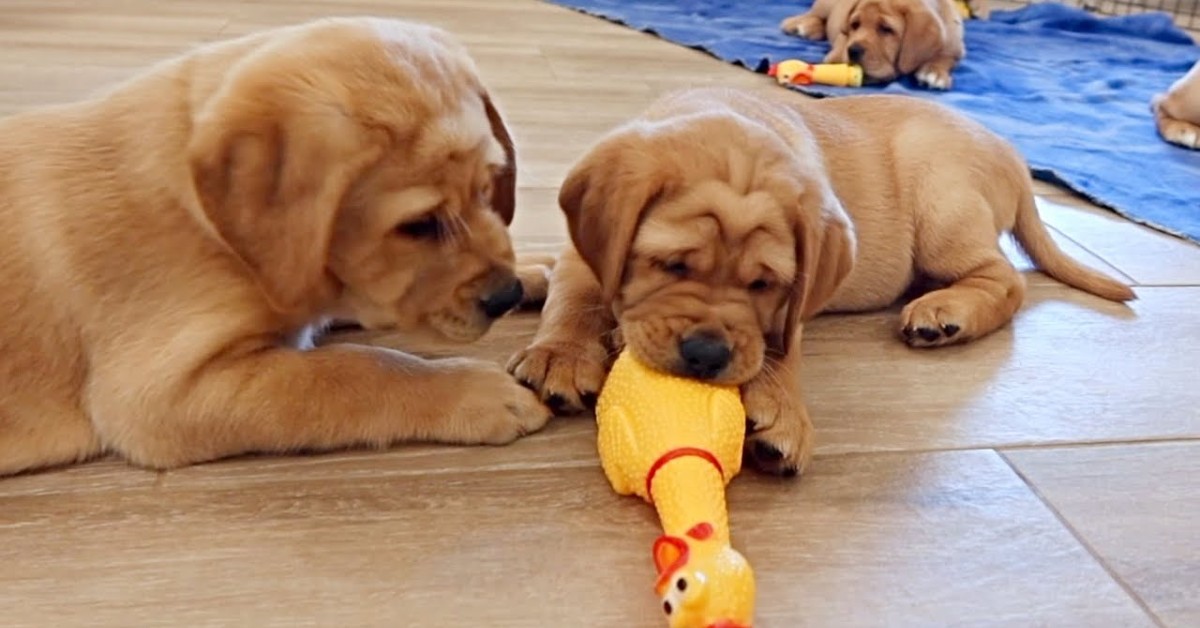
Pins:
x: 794, y: 72
x: 676, y: 443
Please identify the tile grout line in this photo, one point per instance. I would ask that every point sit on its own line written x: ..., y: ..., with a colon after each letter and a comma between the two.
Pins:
x: 1013, y: 447
x: 1150, y: 440
x: 1125, y: 586
x: 1156, y: 284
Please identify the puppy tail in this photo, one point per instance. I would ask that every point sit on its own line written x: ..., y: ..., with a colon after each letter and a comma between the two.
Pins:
x: 1035, y: 240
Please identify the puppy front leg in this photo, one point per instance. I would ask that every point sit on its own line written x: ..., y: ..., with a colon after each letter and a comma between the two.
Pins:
x: 779, y: 433
x: 1175, y: 131
x: 276, y: 400
x: 981, y: 9
x: 533, y: 271
x: 811, y: 24
x: 568, y: 359
x: 839, y: 51
x: 936, y: 73
x: 808, y: 25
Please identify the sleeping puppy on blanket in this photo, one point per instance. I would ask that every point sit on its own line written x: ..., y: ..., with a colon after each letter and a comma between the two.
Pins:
x: 708, y: 230
x: 167, y: 249
x: 888, y: 38
x: 1177, y: 111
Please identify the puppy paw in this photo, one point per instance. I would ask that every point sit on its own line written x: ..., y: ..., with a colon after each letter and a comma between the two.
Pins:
x: 535, y: 282
x: 779, y: 434
x: 934, y: 320
x: 934, y: 78
x: 1181, y: 133
x: 837, y: 54
x: 490, y: 407
x: 806, y: 26
x: 567, y: 376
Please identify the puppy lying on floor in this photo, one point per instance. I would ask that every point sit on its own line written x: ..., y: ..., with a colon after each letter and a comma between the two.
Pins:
x: 167, y: 249
x: 712, y: 227
x: 888, y: 38
x: 1177, y: 111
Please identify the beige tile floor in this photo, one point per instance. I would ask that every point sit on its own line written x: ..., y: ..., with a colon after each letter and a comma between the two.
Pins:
x: 1045, y: 476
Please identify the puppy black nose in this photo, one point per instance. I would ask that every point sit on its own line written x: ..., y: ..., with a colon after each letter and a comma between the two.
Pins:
x: 502, y: 300
x: 855, y: 52
x: 704, y: 356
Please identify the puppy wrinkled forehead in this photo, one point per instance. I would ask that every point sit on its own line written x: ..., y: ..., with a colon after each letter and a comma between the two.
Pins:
x: 472, y: 129
x: 446, y: 80
x: 415, y: 37
x: 466, y: 130
x: 430, y: 55
x: 868, y: 7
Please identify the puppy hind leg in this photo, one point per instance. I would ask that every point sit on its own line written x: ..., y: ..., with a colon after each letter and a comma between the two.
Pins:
x: 973, y: 306
x: 958, y: 245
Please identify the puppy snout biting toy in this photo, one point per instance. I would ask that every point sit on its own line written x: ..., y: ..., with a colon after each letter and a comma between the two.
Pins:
x: 676, y: 443
x: 795, y: 72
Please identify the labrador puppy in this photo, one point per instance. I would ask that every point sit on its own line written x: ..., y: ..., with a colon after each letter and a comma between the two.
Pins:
x: 710, y: 229
x: 888, y: 38
x: 168, y: 248
x: 1177, y: 111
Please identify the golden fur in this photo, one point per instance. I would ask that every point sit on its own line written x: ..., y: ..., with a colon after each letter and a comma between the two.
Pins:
x: 168, y: 247
x: 1177, y: 111
x: 740, y: 216
x: 888, y: 38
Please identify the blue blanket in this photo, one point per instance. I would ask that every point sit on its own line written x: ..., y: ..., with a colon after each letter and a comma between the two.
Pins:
x: 1069, y: 89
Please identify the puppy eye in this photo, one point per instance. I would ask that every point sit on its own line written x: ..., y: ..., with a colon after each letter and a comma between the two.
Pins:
x: 759, y: 285
x: 884, y: 29
x: 427, y: 227
x: 679, y: 269
x: 855, y: 24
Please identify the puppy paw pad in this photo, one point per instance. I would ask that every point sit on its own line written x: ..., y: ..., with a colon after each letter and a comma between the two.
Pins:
x: 556, y: 402
x: 766, y: 452
x: 925, y: 336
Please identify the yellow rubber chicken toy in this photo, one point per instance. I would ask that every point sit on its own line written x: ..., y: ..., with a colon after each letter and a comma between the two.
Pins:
x: 796, y: 72
x: 676, y: 443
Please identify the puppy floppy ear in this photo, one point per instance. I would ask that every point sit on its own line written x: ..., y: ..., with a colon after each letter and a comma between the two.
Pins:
x: 604, y: 198
x: 504, y: 182
x: 923, y: 38
x: 270, y: 183
x: 825, y: 251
